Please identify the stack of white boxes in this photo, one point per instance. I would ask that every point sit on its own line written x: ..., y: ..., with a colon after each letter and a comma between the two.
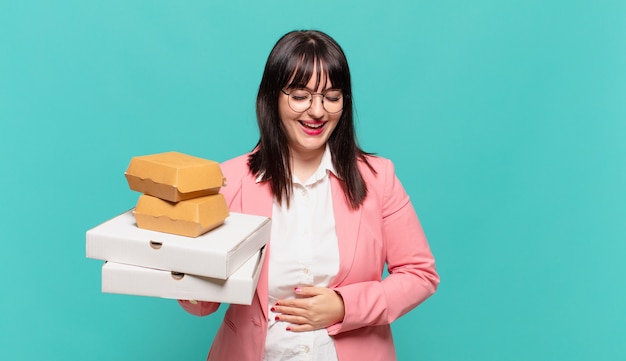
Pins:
x: 221, y: 265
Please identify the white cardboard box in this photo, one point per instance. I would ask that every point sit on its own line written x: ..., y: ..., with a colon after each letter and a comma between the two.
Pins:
x: 140, y: 281
x: 218, y: 253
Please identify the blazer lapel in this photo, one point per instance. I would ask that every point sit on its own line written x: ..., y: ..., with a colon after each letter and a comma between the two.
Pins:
x: 347, y: 222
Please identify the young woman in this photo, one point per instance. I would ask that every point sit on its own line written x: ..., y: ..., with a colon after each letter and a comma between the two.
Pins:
x: 338, y: 215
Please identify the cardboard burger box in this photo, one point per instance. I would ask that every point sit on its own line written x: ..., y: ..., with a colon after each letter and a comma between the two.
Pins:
x: 174, y: 176
x: 191, y: 218
x: 237, y: 289
x: 218, y: 253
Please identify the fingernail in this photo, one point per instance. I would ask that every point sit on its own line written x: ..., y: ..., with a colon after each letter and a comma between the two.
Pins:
x: 288, y: 328
x: 276, y: 304
x: 272, y: 309
x: 297, y: 289
x: 276, y: 318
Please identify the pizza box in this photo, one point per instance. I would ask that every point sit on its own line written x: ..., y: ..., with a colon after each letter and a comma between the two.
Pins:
x: 217, y: 253
x: 239, y: 288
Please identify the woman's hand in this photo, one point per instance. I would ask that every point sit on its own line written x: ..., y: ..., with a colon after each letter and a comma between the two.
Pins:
x: 313, y: 308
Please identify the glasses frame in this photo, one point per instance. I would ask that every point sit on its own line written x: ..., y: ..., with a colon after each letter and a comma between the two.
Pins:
x: 322, y: 94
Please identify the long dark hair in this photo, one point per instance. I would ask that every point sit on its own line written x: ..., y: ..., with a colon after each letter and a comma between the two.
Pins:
x: 291, y: 63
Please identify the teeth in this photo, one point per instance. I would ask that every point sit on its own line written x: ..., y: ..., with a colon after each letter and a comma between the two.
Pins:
x: 314, y: 126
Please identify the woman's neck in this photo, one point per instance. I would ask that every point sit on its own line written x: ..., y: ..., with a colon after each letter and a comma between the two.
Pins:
x: 303, y: 165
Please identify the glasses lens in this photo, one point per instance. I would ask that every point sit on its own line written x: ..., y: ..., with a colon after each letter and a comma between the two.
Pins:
x: 299, y: 100
x: 333, y: 101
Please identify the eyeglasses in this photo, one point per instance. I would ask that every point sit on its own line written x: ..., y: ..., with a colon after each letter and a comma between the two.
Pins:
x: 300, y: 100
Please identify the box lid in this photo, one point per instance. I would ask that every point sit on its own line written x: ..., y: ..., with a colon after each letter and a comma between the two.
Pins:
x: 239, y: 288
x: 218, y: 253
x: 174, y: 176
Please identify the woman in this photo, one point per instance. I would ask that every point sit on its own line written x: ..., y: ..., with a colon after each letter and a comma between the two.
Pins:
x: 338, y: 216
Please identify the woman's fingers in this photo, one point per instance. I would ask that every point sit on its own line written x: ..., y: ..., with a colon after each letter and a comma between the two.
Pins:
x: 316, y: 308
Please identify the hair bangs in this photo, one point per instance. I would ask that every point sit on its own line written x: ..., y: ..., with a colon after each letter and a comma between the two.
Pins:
x: 316, y: 62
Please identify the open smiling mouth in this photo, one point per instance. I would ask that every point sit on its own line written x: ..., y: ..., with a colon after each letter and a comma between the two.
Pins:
x: 312, y: 125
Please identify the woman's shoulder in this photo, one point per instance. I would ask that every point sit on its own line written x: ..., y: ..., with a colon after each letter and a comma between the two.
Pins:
x: 371, y: 165
x: 235, y: 168
x: 236, y: 162
x: 382, y: 182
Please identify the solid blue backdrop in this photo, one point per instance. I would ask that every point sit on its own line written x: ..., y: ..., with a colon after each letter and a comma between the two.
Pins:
x: 505, y: 120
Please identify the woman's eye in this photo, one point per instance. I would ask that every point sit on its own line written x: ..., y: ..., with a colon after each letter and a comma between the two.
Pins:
x: 333, y: 97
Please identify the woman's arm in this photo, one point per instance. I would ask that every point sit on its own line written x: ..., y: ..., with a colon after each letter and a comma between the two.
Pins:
x: 412, y: 275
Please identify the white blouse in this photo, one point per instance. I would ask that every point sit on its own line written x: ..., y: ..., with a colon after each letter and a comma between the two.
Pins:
x: 304, y: 252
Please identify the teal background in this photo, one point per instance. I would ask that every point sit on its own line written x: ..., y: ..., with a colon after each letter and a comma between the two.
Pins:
x: 506, y: 121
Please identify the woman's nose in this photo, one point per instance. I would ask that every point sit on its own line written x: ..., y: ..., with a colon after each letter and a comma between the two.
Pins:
x: 316, y: 109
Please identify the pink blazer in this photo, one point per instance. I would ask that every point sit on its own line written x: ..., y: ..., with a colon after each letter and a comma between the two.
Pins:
x: 385, y: 229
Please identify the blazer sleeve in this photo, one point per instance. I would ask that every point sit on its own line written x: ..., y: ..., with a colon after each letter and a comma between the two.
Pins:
x: 412, y: 275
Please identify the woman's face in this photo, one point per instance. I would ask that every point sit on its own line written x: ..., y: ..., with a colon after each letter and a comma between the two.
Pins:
x: 308, y: 131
